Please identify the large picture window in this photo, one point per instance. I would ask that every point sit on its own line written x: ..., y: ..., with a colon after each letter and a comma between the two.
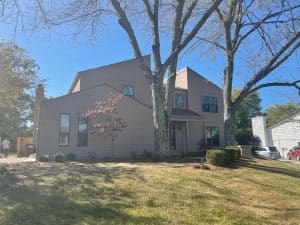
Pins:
x: 64, y: 130
x: 179, y: 101
x: 128, y: 90
x: 209, y: 104
x: 212, y: 136
x: 82, y: 138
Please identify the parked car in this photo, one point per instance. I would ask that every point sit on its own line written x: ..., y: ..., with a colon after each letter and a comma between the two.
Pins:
x: 266, y: 152
x: 294, y: 153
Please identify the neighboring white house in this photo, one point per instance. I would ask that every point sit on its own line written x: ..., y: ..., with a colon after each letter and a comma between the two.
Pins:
x: 283, y: 135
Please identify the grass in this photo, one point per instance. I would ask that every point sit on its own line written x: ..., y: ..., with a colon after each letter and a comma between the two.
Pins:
x: 12, y: 154
x: 252, y: 192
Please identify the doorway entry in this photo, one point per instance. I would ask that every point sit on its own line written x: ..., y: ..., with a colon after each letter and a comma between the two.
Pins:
x: 178, y: 137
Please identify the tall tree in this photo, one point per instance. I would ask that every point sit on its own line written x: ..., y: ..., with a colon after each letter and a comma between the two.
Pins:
x: 265, y: 34
x: 250, y: 107
x: 280, y: 112
x: 18, y: 79
x: 132, y: 16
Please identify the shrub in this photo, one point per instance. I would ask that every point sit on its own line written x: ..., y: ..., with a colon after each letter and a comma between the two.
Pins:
x: 216, y: 157
x: 44, y: 158
x: 6, y: 178
x: 59, y: 157
x: 234, y: 151
x: 71, y: 157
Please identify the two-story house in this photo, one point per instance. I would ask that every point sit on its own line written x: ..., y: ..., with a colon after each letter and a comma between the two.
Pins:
x: 196, y: 120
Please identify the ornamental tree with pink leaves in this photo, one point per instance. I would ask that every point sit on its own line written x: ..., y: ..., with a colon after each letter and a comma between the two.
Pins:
x: 105, y: 118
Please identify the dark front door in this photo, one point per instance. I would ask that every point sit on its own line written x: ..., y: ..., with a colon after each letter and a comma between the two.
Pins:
x: 178, y: 137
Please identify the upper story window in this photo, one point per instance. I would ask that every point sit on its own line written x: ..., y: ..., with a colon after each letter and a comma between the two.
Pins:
x: 209, y: 104
x: 64, y: 130
x: 128, y: 90
x: 82, y: 137
x: 179, y: 101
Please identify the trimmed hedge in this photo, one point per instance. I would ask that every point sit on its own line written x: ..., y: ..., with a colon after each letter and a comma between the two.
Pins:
x: 234, y: 151
x: 223, y: 157
x: 216, y: 157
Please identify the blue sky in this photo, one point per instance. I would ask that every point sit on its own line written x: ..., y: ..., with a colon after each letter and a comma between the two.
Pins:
x: 60, y: 58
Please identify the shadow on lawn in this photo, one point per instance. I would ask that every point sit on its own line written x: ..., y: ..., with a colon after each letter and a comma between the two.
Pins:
x: 74, y: 195
x: 270, y: 169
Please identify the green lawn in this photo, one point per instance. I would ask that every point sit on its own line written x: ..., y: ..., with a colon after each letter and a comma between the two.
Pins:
x: 258, y: 192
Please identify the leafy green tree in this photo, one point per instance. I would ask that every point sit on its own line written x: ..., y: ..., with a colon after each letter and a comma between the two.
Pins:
x: 249, y: 108
x: 280, y: 112
x: 18, y: 80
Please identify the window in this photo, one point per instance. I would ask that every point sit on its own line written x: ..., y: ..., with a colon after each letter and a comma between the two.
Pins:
x: 82, y: 136
x: 179, y: 101
x: 209, y: 104
x: 212, y: 136
x: 64, y: 130
x: 128, y: 90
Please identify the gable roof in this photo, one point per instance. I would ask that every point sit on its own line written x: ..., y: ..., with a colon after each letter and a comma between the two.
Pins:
x: 80, y: 73
x: 96, y: 86
x: 289, y: 119
x: 193, y: 72
x: 196, y: 74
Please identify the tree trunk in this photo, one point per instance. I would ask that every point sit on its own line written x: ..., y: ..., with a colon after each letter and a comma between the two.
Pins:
x: 160, y: 118
x: 229, y: 124
x: 170, y: 93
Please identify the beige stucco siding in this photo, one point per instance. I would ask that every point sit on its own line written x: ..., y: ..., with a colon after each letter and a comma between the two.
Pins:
x: 198, y: 87
x: 181, y: 79
x: 136, y: 137
x: 195, y: 135
x: 76, y: 87
x: 117, y: 75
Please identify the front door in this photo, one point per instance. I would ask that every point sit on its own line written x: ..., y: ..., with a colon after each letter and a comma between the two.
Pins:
x: 178, y: 137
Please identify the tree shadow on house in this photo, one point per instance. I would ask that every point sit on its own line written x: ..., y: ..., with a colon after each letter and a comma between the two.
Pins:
x: 72, y: 195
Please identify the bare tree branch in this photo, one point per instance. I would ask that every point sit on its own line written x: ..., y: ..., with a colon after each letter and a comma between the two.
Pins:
x: 155, y: 33
x: 295, y: 84
x: 192, y: 34
x: 269, y: 67
x: 125, y: 24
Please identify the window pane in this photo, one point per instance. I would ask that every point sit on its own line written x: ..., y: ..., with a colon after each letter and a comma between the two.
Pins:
x: 206, y: 104
x: 206, y: 108
x: 214, y: 108
x: 208, y: 134
x: 209, y: 104
x: 212, y: 136
x: 64, y: 130
x: 206, y: 100
x: 179, y: 101
x: 64, y: 139
x: 83, y: 124
x: 82, y: 138
x: 214, y: 104
x: 64, y: 122
x: 128, y: 90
